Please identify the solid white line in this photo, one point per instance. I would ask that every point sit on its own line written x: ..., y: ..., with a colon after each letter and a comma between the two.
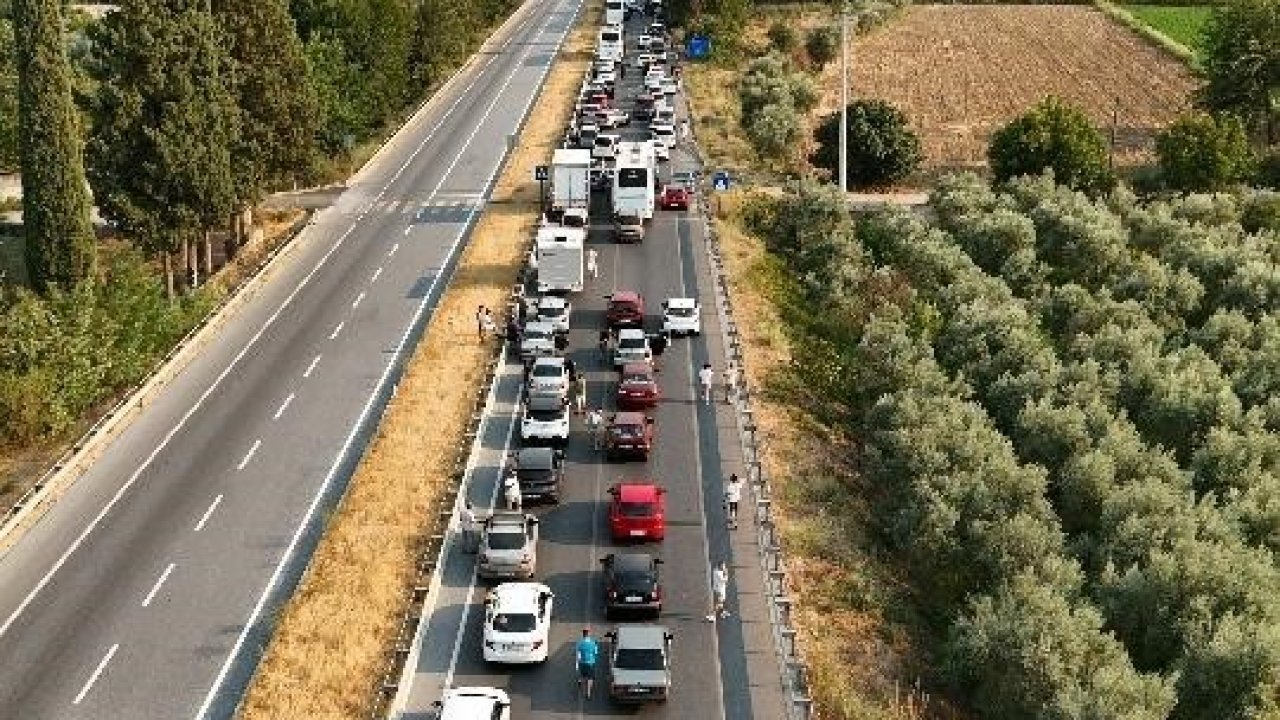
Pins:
x: 337, y: 330
x: 283, y: 406
x: 393, y: 249
x: 314, y: 362
x: 376, y: 274
x: 191, y: 411
x: 102, y: 665
x: 368, y: 406
x: 207, y: 513
x: 356, y: 303
x: 249, y: 455
x: 156, y: 588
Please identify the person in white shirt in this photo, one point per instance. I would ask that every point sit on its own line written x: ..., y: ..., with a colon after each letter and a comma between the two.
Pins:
x: 470, y: 526
x: 595, y: 421
x: 511, y: 491
x: 733, y: 496
x: 593, y: 269
x: 706, y: 376
x: 719, y: 591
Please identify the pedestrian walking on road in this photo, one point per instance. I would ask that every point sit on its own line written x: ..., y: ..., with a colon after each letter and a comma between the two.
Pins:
x: 593, y: 269
x: 580, y: 394
x: 604, y: 345
x: 684, y: 131
x: 732, y: 496
x: 719, y: 591
x: 482, y: 320
x: 511, y: 491
x: 706, y: 377
x: 572, y: 367
x: 470, y: 526
x: 586, y: 652
x: 595, y: 422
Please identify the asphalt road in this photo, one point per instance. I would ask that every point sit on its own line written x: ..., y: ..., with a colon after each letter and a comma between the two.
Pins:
x: 714, y: 672
x: 147, y: 591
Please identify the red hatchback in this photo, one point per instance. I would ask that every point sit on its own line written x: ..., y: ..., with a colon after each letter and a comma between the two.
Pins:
x: 674, y: 197
x: 638, y: 511
x: 638, y: 389
x: 626, y: 309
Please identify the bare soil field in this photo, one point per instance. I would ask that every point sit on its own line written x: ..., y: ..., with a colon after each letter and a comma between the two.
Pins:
x: 960, y: 72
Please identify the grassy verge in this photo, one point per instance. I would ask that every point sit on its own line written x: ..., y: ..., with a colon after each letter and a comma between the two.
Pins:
x: 332, y: 639
x: 1182, y: 24
x: 1147, y: 31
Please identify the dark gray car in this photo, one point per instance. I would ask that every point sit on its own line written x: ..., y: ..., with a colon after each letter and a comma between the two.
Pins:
x: 639, y: 663
x: 540, y: 471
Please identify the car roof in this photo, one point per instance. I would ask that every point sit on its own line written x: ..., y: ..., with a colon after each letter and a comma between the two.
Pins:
x: 625, y: 296
x: 630, y: 333
x: 638, y: 492
x: 628, y: 418
x: 535, y: 458
x: 637, y: 368
x: 467, y: 703
x: 682, y: 303
x: 514, y: 597
x: 641, y: 636
x: 546, y: 402
x: 553, y: 300
x: 632, y: 561
x: 538, y: 325
x: 507, y: 517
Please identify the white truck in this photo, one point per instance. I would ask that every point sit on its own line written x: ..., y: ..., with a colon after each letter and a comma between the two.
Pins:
x: 570, y: 185
x: 609, y: 46
x: 635, y: 169
x: 558, y: 250
x: 615, y: 11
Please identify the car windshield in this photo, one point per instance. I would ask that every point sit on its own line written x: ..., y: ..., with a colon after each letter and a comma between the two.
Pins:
x: 550, y: 312
x: 631, y: 343
x: 545, y: 415
x: 637, y: 509
x: 634, y: 579
x: 640, y: 659
x: 622, y: 307
x: 506, y: 540
x: 515, y: 622
x: 547, y: 371
x: 680, y: 312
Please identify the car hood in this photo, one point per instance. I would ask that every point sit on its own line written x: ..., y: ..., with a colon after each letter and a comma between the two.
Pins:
x: 504, y: 556
x: 643, y: 678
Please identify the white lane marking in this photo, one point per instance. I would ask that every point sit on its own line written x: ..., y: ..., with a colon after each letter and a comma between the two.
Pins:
x: 191, y: 411
x: 376, y: 274
x: 208, y: 513
x: 359, y: 298
x: 333, y: 335
x: 277, y: 574
x: 283, y: 406
x: 314, y: 362
x: 408, y: 229
x: 393, y: 249
x: 102, y: 665
x: 249, y: 455
x: 156, y: 588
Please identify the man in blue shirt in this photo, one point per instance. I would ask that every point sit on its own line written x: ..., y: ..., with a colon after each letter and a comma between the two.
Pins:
x: 587, y: 652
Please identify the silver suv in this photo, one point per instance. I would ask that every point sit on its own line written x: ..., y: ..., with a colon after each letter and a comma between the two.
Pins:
x: 639, y: 663
x: 509, y: 549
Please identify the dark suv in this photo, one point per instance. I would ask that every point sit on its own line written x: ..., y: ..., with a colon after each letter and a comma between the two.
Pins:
x: 631, y: 584
x: 540, y: 471
x: 626, y: 309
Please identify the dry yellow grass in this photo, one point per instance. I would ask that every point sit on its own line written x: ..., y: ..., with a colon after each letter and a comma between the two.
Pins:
x: 331, y: 641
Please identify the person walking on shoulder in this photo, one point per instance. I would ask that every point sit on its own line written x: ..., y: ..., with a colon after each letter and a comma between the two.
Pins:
x: 511, y: 491
x: 719, y: 590
x: 732, y: 496
x: 482, y: 320
x: 593, y: 269
x: 470, y: 526
x: 587, y: 651
x: 706, y: 377
x: 580, y: 394
x: 595, y: 422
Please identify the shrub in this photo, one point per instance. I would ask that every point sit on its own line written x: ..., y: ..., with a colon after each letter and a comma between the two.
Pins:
x: 1261, y: 211
x: 783, y: 37
x: 822, y: 44
x: 774, y: 129
x: 1202, y: 152
x: 882, y: 148
x: 1268, y: 175
x: 772, y: 96
x: 1052, y: 135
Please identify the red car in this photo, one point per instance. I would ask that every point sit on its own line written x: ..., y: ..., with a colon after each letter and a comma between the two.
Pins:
x: 630, y: 434
x: 638, y: 511
x: 638, y: 388
x: 674, y: 197
x: 626, y: 309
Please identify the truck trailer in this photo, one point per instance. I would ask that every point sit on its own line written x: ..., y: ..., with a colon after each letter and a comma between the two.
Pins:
x: 559, y: 250
x: 570, y: 185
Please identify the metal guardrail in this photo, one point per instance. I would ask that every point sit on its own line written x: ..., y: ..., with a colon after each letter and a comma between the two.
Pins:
x: 793, y: 671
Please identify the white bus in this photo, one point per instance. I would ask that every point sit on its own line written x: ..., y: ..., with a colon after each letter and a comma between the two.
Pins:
x: 615, y: 11
x: 636, y: 167
x: 610, y: 45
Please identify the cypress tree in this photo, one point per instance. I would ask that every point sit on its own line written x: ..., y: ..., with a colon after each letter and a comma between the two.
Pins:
x: 60, y: 247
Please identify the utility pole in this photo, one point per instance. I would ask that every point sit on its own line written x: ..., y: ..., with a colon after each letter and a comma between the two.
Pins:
x: 844, y: 97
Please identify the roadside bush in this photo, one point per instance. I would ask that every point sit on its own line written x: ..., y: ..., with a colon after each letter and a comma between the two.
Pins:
x: 882, y: 148
x: 1200, y: 152
x: 774, y: 129
x: 1052, y: 136
x: 783, y: 37
x: 772, y: 97
x: 821, y: 45
x: 1268, y: 174
x: 1261, y: 212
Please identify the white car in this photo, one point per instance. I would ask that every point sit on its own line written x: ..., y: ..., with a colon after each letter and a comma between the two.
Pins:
x: 681, y: 316
x: 614, y: 118
x: 469, y: 703
x: 632, y: 347
x: 555, y: 310
x: 670, y: 87
x: 653, y: 83
x: 662, y: 133
x: 605, y: 147
x: 517, y: 623
x: 545, y: 421
x: 549, y: 377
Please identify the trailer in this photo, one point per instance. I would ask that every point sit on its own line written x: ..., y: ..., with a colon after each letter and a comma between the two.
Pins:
x: 635, y: 173
x: 558, y: 256
x: 570, y: 184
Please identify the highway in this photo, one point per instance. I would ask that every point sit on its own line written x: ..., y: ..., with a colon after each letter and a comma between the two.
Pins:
x: 147, y: 591
x: 722, y: 670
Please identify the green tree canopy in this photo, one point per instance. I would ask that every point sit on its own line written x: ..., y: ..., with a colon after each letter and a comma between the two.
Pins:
x: 1056, y: 136
x: 1241, y: 62
x: 8, y: 99
x: 1203, y: 153
x: 882, y: 147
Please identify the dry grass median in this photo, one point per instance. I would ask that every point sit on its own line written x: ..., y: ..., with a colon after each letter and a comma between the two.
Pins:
x: 332, y: 640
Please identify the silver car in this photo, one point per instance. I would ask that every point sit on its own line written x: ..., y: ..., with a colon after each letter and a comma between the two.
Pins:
x: 509, y: 549
x: 537, y: 340
x: 549, y: 376
x: 639, y: 663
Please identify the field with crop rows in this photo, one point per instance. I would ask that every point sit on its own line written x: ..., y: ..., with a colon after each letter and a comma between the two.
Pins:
x: 961, y: 71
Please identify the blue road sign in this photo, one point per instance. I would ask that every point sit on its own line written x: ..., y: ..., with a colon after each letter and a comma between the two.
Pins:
x: 699, y: 46
x: 720, y: 181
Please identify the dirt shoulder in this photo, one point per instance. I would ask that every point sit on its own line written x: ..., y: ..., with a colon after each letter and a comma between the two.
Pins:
x: 332, y: 641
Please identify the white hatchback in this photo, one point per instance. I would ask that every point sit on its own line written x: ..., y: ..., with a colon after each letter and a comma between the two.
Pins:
x: 468, y: 703
x: 517, y: 623
x: 682, y: 316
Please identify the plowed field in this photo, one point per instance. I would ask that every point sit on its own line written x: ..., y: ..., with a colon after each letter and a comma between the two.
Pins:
x: 959, y: 72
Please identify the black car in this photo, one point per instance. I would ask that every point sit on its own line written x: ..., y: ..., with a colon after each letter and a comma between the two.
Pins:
x: 631, y: 584
x: 540, y: 471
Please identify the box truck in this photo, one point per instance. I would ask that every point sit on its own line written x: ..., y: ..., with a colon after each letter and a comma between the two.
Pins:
x: 570, y: 185
x: 558, y: 250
